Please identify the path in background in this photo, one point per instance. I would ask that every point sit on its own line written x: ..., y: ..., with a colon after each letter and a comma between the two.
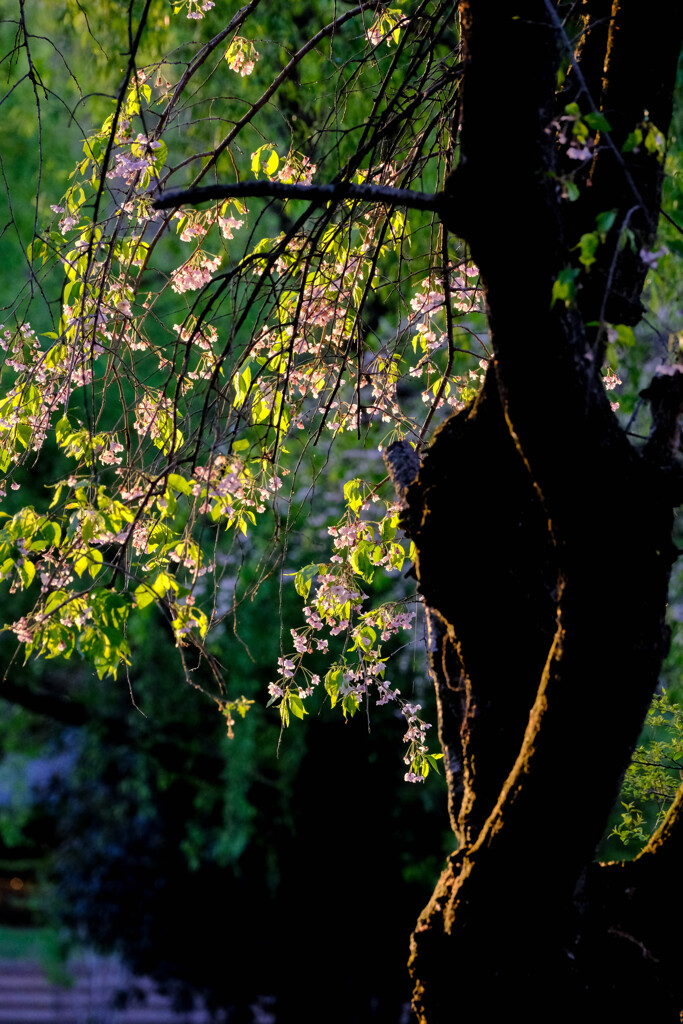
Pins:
x: 28, y: 997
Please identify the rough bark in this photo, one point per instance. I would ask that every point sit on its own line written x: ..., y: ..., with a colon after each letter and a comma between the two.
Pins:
x: 549, y: 631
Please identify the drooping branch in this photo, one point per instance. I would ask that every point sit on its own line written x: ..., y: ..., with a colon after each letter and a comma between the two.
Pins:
x: 319, y: 194
x: 332, y: 26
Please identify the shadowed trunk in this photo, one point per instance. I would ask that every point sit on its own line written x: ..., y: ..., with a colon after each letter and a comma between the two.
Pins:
x: 548, y: 629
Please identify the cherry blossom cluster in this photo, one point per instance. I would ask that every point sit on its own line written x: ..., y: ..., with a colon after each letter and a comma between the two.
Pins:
x: 21, y: 347
x: 138, y: 159
x: 195, y: 273
x: 573, y: 133
x: 465, y: 295
x: 334, y: 604
x: 296, y: 168
x: 151, y: 415
x: 226, y: 486
x: 386, y: 26
x: 102, y: 315
x: 69, y: 221
x: 610, y: 380
x: 429, y: 339
x: 194, y: 225
x: 242, y: 56
x: 416, y: 738
x: 323, y: 321
x: 154, y: 506
x: 196, y: 9
x: 43, y: 386
x: 204, y: 340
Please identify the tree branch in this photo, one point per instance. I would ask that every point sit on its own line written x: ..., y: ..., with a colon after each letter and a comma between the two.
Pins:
x: 171, y: 752
x: 40, y: 702
x: 319, y: 194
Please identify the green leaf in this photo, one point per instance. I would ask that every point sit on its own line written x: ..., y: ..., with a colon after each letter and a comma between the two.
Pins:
x: 398, y: 556
x: 597, y: 121
x: 588, y: 244
x: 353, y: 495
x: 364, y: 638
x: 604, y: 222
x: 96, y: 562
x: 361, y: 563
x: 54, y: 600
x: 655, y: 142
x: 333, y: 681
x: 625, y: 334
x: 144, y: 596
x: 163, y: 584
x: 24, y: 434
x: 6, y: 567
x: 297, y: 706
x: 27, y: 571
x: 350, y: 705
x: 633, y: 140
x: 388, y: 528
x: 52, y: 531
x: 179, y: 483
x: 242, y: 386
x: 564, y: 288
x: 303, y: 579
x: 80, y: 565
x: 433, y: 760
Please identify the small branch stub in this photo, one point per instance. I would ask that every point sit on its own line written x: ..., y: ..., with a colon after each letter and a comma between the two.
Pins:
x: 403, y: 465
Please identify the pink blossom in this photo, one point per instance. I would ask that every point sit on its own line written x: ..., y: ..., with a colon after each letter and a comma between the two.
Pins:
x: 286, y: 666
x: 610, y: 381
x: 192, y: 231
x: 583, y: 153
x: 195, y: 273
x: 228, y: 225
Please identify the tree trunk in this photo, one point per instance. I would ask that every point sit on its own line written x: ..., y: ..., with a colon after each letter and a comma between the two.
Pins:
x: 548, y: 632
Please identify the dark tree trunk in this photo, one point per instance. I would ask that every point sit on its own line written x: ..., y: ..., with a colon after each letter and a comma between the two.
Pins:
x: 548, y: 630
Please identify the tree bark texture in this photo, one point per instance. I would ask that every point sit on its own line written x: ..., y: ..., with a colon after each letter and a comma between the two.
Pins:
x: 548, y: 632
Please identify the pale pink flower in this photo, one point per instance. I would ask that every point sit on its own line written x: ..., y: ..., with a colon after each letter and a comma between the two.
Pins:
x: 611, y: 381
x: 195, y: 273
x: 228, y: 225
x: 584, y: 153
